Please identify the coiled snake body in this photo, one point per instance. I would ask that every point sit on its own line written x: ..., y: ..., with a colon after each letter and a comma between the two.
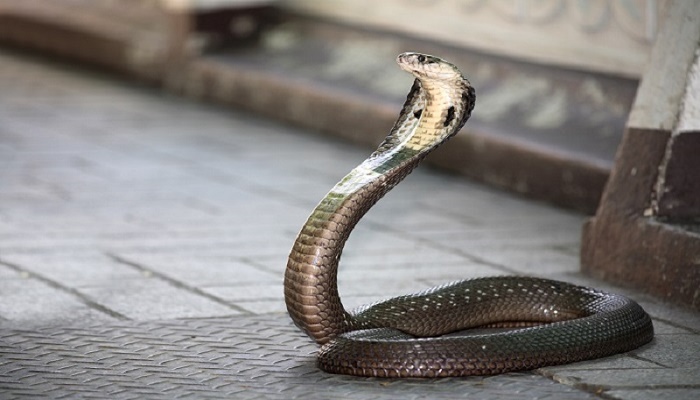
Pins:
x: 399, y: 337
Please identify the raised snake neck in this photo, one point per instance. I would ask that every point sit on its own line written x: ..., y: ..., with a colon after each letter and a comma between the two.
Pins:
x: 402, y: 336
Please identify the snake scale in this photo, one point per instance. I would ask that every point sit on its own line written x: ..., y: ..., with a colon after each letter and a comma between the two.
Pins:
x: 551, y: 322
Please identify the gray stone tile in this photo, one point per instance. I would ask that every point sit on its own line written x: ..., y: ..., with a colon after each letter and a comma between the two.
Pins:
x: 248, y: 292
x: 76, y: 271
x: 233, y: 248
x: 265, y: 307
x: 459, y: 198
x: 677, y: 316
x: 663, y: 328
x: 275, y: 263
x: 382, y: 279
x: 30, y: 303
x: 420, y: 257
x: 637, y: 377
x: 617, y: 362
x: 654, y: 394
x: 410, y: 216
x: 7, y: 273
x: 673, y: 351
x: 152, y: 299
x: 504, y: 237
x: 369, y: 239
x: 526, y: 260
x: 205, y: 271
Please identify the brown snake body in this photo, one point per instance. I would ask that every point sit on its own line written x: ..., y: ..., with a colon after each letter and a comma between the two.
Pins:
x: 403, y: 336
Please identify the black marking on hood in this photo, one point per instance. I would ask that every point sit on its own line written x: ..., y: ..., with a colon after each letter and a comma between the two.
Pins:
x: 450, y: 116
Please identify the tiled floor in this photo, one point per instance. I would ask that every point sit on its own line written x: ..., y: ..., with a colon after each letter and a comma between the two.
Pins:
x: 143, y: 240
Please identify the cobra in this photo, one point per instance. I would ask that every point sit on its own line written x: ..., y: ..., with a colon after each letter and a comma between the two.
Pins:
x: 552, y: 322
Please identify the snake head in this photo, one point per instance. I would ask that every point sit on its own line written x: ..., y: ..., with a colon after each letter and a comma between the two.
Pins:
x: 424, y: 66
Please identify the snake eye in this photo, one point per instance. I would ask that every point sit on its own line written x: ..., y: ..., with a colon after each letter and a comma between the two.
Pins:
x: 421, y: 58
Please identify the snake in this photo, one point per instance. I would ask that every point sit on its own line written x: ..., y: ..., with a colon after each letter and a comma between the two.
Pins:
x: 523, y: 323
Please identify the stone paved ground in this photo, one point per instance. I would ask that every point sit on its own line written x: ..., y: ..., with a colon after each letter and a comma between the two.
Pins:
x: 143, y: 240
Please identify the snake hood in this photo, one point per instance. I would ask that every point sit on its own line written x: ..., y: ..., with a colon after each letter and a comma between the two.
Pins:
x: 440, y: 101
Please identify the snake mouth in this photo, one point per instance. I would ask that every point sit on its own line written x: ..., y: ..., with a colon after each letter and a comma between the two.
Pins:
x: 401, y: 59
x: 404, y: 55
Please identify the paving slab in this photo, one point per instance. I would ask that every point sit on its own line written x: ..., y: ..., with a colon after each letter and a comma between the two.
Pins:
x: 143, y: 240
x: 239, y: 357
